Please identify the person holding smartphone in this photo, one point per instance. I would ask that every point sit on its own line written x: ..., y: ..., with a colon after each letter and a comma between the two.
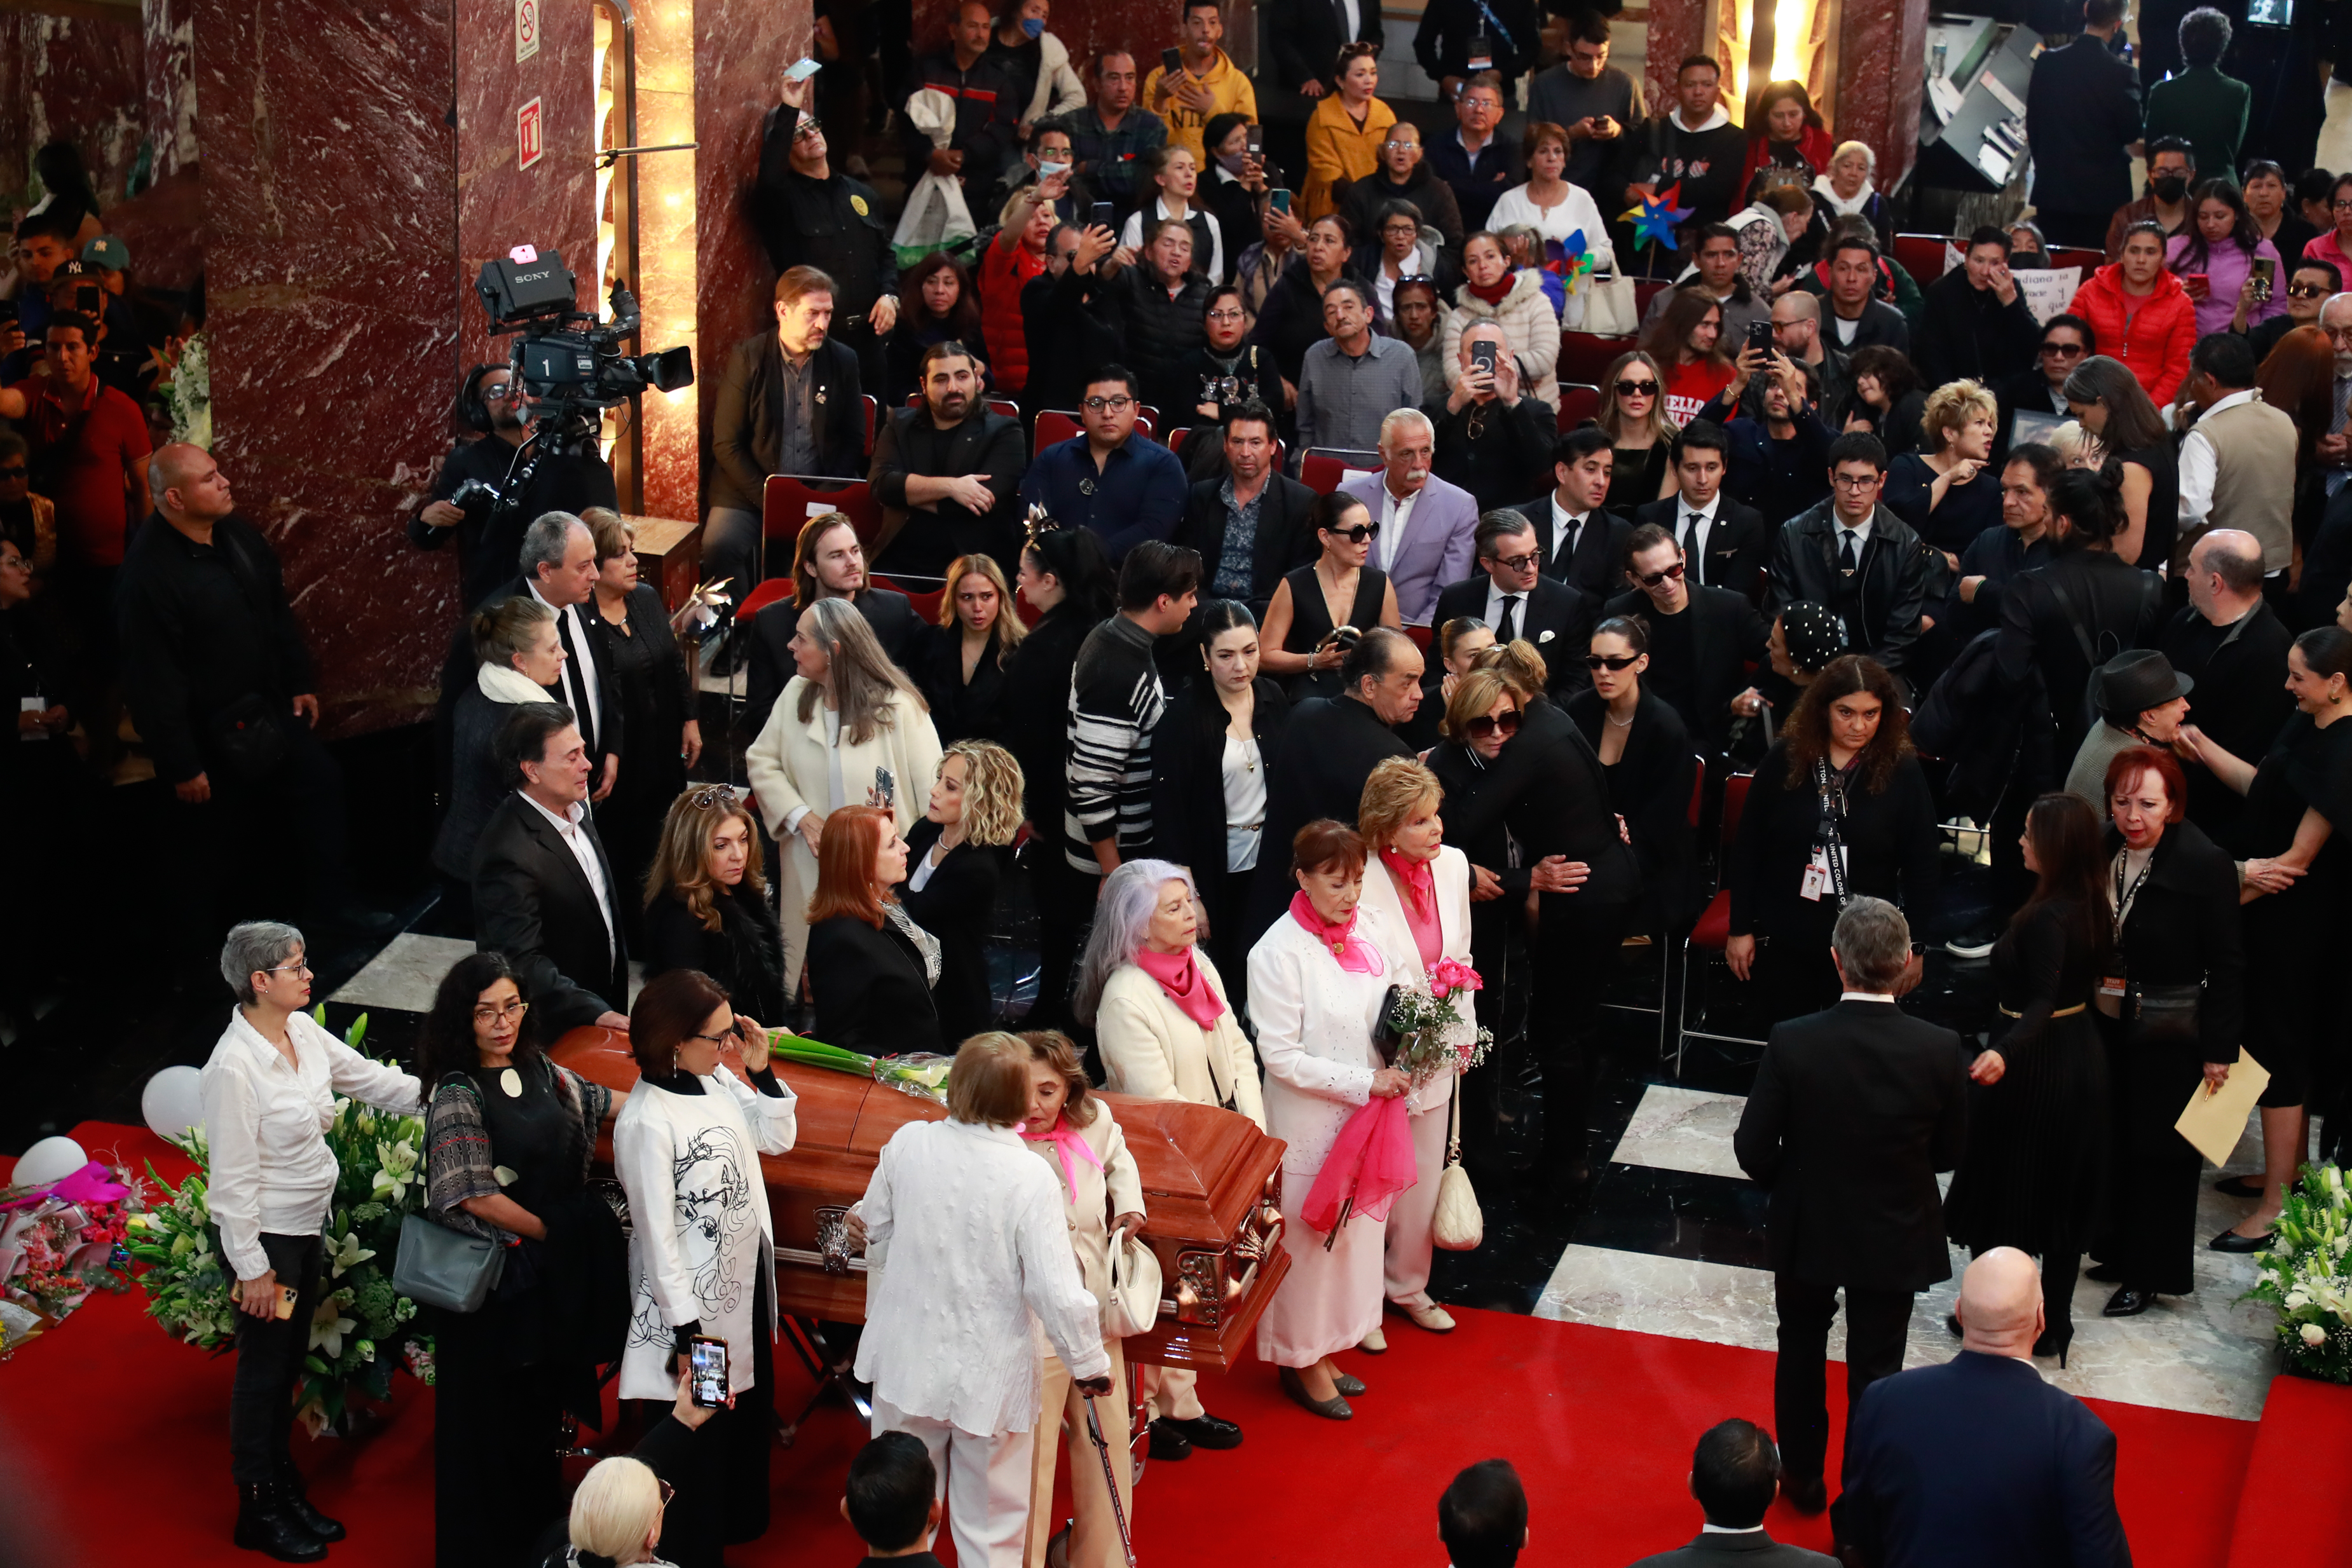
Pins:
x: 2231, y: 271
x: 1316, y: 609
x: 1195, y: 83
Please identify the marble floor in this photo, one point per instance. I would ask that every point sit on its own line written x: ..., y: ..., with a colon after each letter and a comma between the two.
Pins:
x: 405, y: 975
x: 2206, y: 1352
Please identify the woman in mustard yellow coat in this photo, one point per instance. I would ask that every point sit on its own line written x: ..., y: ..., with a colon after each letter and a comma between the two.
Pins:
x: 1345, y: 132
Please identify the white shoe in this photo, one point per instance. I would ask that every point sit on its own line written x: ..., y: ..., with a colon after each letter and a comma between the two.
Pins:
x: 1373, y: 1343
x: 1430, y: 1316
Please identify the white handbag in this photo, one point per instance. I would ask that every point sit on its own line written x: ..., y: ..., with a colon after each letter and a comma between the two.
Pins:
x: 1457, y: 1226
x: 1608, y: 306
x: 1132, y: 1304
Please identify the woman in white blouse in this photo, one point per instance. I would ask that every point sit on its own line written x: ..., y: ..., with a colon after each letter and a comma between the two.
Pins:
x: 849, y: 728
x: 1166, y: 1030
x: 687, y: 1147
x: 1075, y: 1135
x: 968, y: 1249
x: 270, y: 1091
x: 1549, y: 203
x: 1317, y: 981
x: 1417, y: 898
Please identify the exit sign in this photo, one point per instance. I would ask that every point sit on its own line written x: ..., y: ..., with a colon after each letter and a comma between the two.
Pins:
x: 530, y: 141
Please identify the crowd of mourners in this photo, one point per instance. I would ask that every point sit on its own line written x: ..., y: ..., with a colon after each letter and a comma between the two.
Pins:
x: 1268, y: 552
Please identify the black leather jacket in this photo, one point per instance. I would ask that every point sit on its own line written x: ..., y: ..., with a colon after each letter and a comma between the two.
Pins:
x: 1885, y: 595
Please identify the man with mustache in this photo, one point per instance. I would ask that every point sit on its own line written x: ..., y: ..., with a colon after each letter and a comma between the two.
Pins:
x: 947, y: 472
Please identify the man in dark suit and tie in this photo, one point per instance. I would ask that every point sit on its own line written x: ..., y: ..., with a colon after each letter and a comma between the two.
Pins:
x: 1853, y: 1112
x: 1515, y: 600
x: 1702, y: 639
x: 1979, y: 1461
x: 543, y: 891
x: 1582, y: 543
x: 1735, y: 1475
x: 2082, y: 115
x: 1724, y: 543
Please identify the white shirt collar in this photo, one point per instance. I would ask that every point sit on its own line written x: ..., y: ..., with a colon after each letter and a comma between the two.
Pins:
x: 1710, y: 511
x: 2232, y: 400
x: 1497, y: 593
x: 1729, y: 1530
x: 1721, y: 116
x: 1861, y: 531
x: 568, y: 823
x: 1563, y: 522
x: 1864, y: 997
x: 533, y: 583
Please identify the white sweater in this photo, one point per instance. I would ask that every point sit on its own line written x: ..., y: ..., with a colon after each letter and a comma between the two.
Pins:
x: 1152, y: 1049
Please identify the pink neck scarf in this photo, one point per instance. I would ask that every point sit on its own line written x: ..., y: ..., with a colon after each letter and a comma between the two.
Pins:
x: 1419, y: 903
x: 1186, y: 986
x: 1355, y: 955
x: 1064, y: 1139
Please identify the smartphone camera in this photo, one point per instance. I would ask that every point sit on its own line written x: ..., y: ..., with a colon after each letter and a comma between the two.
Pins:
x: 1759, y: 337
x: 1482, y: 355
x: 707, y: 1370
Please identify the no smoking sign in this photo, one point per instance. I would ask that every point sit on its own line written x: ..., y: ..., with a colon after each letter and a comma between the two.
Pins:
x: 526, y: 30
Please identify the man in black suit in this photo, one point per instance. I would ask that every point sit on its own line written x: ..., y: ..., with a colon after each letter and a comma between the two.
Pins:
x: 1979, y: 1461
x: 1253, y: 501
x: 1702, y: 639
x: 1723, y: 542
x: 1582, y: 543
x: 1482, y: 1516
x: 828, y: 562
x: 1853, y: 1113
x: 947, y: 472
x: 543, y: 891
x: 2082, y: 115
x: 1735, y: 1474
x: 2231, y: 643
x: 1515, y: 600
x: 559, y: 569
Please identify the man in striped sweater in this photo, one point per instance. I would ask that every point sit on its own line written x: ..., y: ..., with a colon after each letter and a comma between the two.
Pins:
x: 1116, y: 698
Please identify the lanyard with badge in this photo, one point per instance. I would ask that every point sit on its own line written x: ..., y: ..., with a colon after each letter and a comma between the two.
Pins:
x: 2111, y: 986
x: 1482, y: 42
x: 1825, y: 872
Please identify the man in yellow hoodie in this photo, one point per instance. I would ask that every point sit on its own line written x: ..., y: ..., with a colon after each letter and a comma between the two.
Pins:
x: 1209, y: 84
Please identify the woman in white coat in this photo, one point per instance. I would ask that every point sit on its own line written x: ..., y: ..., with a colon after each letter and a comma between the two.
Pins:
x: 1080, y: 1142
x: 1514, y: 301
x: 848, y: 726
x: 1315, y: 983
x: 1417, y: 902
x: 702, y: 1261
x: 970, y: 1255
x: 1165, y: 1031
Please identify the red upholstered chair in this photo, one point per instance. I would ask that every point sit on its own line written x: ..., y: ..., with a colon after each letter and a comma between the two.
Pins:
x: 1577, y: 404
x: 1646, y: 290
x: 2084, y: 256
x: 1005, y: 406
x: 873, y: 413
x: 769, y: 593
x: 1322, y: 469
x: 1586, y: 356
x: 791, y: 499
x: 1921, y: 255
x: 1420, y: 635
x: 1057, y: 425
x: 1712, y: 931
x: 925, y: 600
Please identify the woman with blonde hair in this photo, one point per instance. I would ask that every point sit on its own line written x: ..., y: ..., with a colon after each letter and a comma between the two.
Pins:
x: 871, y: 967
x: 705, y: 900
x: 1944, y: 490
x: 1632, y: 414
x: 961, y: 666
x: 518, y: 657
x: 1417, y: 896
x: 848, y: 729
x: 1079, y: 1140
x: 954, y: 861
x: 616, y: 1515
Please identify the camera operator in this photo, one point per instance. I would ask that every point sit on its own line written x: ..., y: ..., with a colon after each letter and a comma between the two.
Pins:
x: 809, y: 215
x: 488, y: 490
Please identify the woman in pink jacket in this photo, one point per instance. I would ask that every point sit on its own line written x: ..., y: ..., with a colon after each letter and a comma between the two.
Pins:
x: 2142, y: 314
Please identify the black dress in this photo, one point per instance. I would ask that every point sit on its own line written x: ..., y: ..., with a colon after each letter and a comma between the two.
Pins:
x: 1037, y: 731
x: 1310, y: 622
x: 1650, y: 784
x: 962, y: 709
x: 958, y: 905
x: 1636, y: 477
x: 2037, y: 1156
x: 871, y: 992
x: 2157, y: 539
x: 656, y: 700
x: 1188, y: 810
x: 2292, y: 992
x: 745, y: 955
x: 1967, y: 510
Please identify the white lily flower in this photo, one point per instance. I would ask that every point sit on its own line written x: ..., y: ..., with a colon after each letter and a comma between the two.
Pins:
x: 349, y: 1254
x: 328, y: 1327
x: 2314, y: 1335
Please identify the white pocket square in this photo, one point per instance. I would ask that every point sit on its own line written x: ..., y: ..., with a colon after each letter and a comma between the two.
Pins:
x: 1546, y: 636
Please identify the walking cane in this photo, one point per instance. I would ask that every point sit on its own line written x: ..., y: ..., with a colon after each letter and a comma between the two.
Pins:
x: 1111, y: 1479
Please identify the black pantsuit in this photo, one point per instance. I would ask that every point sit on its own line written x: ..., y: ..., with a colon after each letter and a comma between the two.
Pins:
x: 1492, y: 921
x: 642, y: 659
x: 957, y: 904
x: 496, y: 1418
x: 269, y: 1352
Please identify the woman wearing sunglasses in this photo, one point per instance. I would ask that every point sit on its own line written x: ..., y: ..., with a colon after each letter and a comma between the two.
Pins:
x: 1304, y: 638
x: 1641, y: 434
x: 706, y: 902
x: 1645, y: 754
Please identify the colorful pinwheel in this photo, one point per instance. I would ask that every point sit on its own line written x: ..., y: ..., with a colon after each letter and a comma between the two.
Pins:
x: 1567, y: 260
x: 1655, y: 217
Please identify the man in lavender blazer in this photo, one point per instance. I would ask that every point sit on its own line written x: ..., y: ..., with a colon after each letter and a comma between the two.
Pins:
x: 1429, y: 529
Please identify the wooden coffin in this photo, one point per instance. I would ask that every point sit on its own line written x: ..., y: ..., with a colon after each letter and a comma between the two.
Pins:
x: 1212, y: 1184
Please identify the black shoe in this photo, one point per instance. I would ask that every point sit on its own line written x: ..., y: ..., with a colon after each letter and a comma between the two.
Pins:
x: 2105, y: 1273
x: 1952, y: 1321
x: 2053, y: 1342
x: 1168, y: 1443
x: 1810, y: 1495
x: 1349, y: 1385
x: 265, y: 1524
x: 1204, y: 1431
x: 295, y: 1491
x: 2231, y: 1241
x: 2238, y: 1187
x: 2127, y: 1304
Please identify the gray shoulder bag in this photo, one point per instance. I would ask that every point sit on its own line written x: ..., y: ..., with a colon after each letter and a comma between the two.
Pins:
x: 440, y: 1266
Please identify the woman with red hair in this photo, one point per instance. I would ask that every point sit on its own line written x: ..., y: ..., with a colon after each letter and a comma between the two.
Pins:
x: 870, y: 967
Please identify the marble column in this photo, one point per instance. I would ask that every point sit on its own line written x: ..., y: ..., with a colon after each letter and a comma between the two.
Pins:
x: 1678, y: 29
x: 78, y: 78
x: 667, y: 263
x: 1882, y: 74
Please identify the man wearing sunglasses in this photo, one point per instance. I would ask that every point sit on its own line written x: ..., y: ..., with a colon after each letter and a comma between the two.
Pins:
x: 2038, y: 395
x: 2308, y: 287
x: 810, y: 214
x: 1702, y: 639
x: 1515, y: 600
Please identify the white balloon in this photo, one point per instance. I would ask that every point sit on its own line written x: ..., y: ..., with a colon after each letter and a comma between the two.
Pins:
x: 51, y: 1159
x: 172, y: 1102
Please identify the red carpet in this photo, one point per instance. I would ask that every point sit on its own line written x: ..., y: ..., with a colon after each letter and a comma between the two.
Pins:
x: 112, y: 1444
x: 2298, y: 1508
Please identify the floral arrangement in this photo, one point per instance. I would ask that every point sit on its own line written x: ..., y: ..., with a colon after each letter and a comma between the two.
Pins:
x: 2305, y: 1275
x: 362, y: 1329
x: 923, y: 1073
x: 189, y: 392
x: 60, y: 1241
x: 1433, y: 1033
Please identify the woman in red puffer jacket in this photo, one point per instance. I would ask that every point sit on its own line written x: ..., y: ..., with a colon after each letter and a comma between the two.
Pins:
x: 2142, y: 314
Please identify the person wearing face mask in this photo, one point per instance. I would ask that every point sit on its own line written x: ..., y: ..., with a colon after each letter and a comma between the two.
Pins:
x: 2142, y: 702
x: 2171, y: 171
x: 1057, y: 88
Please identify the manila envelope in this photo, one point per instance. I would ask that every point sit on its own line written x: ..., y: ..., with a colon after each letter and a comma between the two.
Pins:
x: 2214, y: 1118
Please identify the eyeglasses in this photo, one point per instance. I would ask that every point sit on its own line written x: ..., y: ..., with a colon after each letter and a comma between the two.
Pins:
x: 716, y: 1039
x: 1227, y: 315
x: 1611, y: 661
x: 711, y: 795
x: 2341, y: 206
x: 1504, y: 724
x: 809, y: 126
x: 1857, y: 483
x: 500, y: 392
x: 668, y: 1490
x: 1636, y: 389
x: 14, y: 471
x: 1115, y: 404
x: 501, y: 1015
x: 1359, y: 533
x: 2294, y: 290
x: 1398, y: 146
x: 2069, y: 350
x: 299, y: 966
x: 1652, y: 579
x: 1516, y: 562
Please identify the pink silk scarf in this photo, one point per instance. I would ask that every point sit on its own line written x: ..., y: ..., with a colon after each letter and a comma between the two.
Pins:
x: 1064, y: 1139
x: 1419, y: 903
x: 1186, y: 986
x: 1355, y: 955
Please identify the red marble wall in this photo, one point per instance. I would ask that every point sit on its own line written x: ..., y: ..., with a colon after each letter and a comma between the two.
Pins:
x: 1086, y: 26
x: 1876, y: 104
x: 327, y: 173
x: 75, y: 78
x: 1678, y: 31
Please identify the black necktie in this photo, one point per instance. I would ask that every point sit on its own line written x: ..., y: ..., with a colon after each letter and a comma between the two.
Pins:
x: 1691, y: 545
x: 1568, y: 540
x: 577, y: 683
x: 1509, y: 627
x: 1339, y: 13
x: 1847, y: 560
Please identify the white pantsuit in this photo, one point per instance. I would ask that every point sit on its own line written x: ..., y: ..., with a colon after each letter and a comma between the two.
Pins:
x: 983, y: 1481
x: 1315, y: 1024
x: 792, y: 766
x: 1406, y: 1268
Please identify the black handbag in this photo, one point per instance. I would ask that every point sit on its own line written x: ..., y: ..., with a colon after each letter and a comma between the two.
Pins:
x: 248, y: 739
x: 1386, y: 1035
x: 2162, y: 1015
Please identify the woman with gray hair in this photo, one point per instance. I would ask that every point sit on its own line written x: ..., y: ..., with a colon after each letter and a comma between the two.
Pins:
x: 1843, y: 191
x: 849, y: 730
x: 270, y: 1091
x: 519, y: 658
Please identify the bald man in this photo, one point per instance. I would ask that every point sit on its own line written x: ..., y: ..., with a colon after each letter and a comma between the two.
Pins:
x: 1981, y: 1460
x: 2232, y: 643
